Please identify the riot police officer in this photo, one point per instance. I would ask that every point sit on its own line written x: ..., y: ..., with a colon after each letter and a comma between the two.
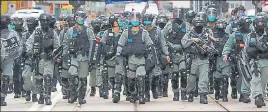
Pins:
x: 138, y: 37
x: 108, y: 45
x: 174, y: 32
x: 232, y: 49
x: 41, y: 45
x: 256, y: 49
x: 17, y: 70
x: 161, y: 20
x: 77, y: 44
x: 221, y: 74
x: 11, y: 48
x: 238, y: 12
x: 198, y: 47
x: 159, y: 57
x: 27, y: 74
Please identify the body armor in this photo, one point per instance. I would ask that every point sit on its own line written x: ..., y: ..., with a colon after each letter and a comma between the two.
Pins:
x: 222, y: 38
x: 177, y: 33
x: 239, y: 45
x: 135, y: 45
x: 79, y: 43
x: 109, y: 48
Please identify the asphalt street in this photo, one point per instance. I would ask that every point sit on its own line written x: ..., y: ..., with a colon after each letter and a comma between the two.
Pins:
x: 99, y: 104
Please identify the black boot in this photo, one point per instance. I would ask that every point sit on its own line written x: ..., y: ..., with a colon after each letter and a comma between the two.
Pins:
x: 259, y: 102
x: 64, y: 87
x: 132, y: 88
x: 155, y: 83
x: 160, y: 87
x: 203, y: 98
x: 117, y: 88
x: 54, y: 89
x: 112, y: 82
x: 82, y: 91
x: 93, y: 91
x: 105, y: 82
x: 234, y: 93
x: 34, y: 98
x: 233, y: 85
x: 3, y: 103
x: 217, y: 85
x: 17, y: 95
x: 100, y: 90
x: 147, y: 89
x: 141, y: 89
x: 28, y: 96
x: 40, y: 88
x: 241, y: 98
x: 48, y: 87
x: 165, y: 85
x: 74, y: 80
x: 246, y: 98
x: 175, y: 83
x: 183, y: 84
x: 224, y: 90
x: 191, y: 97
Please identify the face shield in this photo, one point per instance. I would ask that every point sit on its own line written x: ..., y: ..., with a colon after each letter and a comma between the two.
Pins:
x: 212, y: 15
x: 44, y: 23
x: 178, y: 16
x: 135, y: 19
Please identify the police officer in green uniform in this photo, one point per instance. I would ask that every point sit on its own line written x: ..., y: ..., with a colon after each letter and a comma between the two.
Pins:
x: 135, y: 43
x: 256, y: 48
x: 221, y: 74
x: 161, y: 20
x: 108, y: 45
x: 212, y: 18
x: 174, y: 31
x: 160, y: 57
x: 232, y: 49
x: 41, y: 44
x: 11, y: 48
x: 28, y: 83
x: 77, y: 43
x: 198, y: 48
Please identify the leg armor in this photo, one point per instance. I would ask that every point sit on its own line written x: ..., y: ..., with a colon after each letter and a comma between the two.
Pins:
x: 141, y: 89
x: 217, y: 84
x: 224, y: 90
x: 147, y: 88
x: 175, y: 86
x: 82, y: 91
x: 105, y: 82
x: 165, y: 85
x: 48, y: 86
x: 74, y: 80
x: 117, y: 88
x: 112, y: 82
x: 4, y: 88
x: 183, y: 84
x: 132, y: 90
x: 65, y: 87
x: 154, y: 87
x: 40, y: 88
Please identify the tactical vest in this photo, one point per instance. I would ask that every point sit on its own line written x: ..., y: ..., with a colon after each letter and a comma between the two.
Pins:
x: 222, y: 38
x: 234, y: 27
x: 134, y: 45
x: 80, y: 42
x: 239, y: 45
x: 196, y: 49
x: 9, y: 43
x: 109, y: 48
x: 45, y: 41
x: 176, y: 36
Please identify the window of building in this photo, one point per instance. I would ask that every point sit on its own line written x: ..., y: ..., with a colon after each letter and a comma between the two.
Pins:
x: 232, y: 6
x: 236, y: 5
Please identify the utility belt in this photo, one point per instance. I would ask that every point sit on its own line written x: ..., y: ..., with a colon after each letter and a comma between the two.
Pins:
x: 201, y: 57
x: 46, y: 56
x: 74, y: 54
x: 173, y: 51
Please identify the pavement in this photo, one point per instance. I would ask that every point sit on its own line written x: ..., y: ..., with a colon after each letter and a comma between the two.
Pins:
x: 99, y: 104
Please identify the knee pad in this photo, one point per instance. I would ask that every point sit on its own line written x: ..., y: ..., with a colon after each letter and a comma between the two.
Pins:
x: 175, y: 76
x: 74, y: 80
x: 48, y: 79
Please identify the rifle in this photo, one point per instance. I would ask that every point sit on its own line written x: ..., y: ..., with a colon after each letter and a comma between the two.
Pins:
x: 57, y: 53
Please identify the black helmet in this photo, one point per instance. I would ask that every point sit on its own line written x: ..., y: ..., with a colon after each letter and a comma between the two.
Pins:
x: 264, y: 14
x: 202, y: 15
x: 220, y: 24
x: 189, y: 16
x: 32, y: 22
x: 5, y: 19
x: 234, y: 11
x: 240, y: 7
x: 81, y: 14
x: 105, y: 24
x: 45, y: 20
x: 199, y: 21
x: 96, y: 25
x: 244, y: 20
x: 18, y: 23
x: 112, y: 19
x: 135, y: 14
x: 161, y: 20
x: 259, y: 22
x: 52, y: 22
x: 70, y: 20
x: 212, y: 14
x: 147, y: 19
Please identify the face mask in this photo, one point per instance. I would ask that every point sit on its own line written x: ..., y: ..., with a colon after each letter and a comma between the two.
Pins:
x: 80, y: 21
x: 240, y: 14
x: 12, y: 27
x: 211, y: 18
x: 198, y: 29
x: 252, y: 40
x: 18, y: 27
x: 121, y: 24
x: 31, y: 26
x: 178, y: 21
x: 135, y: 23
x: 147, y: 23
